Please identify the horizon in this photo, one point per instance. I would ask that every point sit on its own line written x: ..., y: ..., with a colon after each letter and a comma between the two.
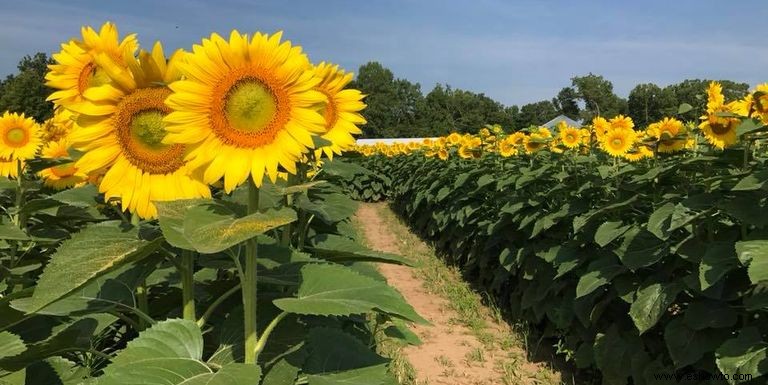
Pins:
x: 495, y: 48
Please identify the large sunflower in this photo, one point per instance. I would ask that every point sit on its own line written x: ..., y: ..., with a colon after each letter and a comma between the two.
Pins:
x: 247, y: 105
x: 618, y: 141
x: 121, y: 127
x: 570, y: 137
x: 20, y: 137
x: 341, y: 112
x: 76, y: 70
x: 600, y: 126
x: 720, y: 131
x: 63, y: 175
x: 668, y: 133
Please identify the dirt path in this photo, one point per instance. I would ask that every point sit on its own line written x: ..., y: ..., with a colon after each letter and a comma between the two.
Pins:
x: 451, y: 353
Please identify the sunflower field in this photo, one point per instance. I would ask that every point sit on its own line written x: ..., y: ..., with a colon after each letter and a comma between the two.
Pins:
x: 637, y: 251
x: 167, y: 226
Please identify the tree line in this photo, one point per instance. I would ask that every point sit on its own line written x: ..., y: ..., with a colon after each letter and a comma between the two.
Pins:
x: 398, y: 107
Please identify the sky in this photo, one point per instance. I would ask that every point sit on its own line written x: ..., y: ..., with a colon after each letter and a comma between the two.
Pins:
x: 516, y: 52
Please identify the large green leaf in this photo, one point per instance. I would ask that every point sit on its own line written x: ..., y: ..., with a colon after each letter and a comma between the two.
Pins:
x: 11, y: 345
x: 337, y: 248
x: 328, y: 207
x: 651, y: 303
x: 598, y: 273
x: 719, y: 259
x: 687, y: 345
x: 89, y: 254
x: 660, y: 220
x: 707, y: 313
x: 11, y: 232
x: 613, y: 356
x: 171, y: 217
x: 332, y: 350
x: 170, y: 352
x: 339, y: 290
x: 608, y: 231
x: 211, y: 228
x: 84, y: 196
x: 754, y: 255
x: 372, y: 375
x: 745, y: 354
x: 640, y: 249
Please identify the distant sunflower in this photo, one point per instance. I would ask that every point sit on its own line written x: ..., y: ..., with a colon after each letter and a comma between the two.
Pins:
x: 20, y: 136
x: 58, y: 126
x: 442, y: 153
x: 618, y: 141
x: 63, y: 175
x: 517, y: 138
x: 454, y: 138
x: 600, y: 126
x: 246, y: 106
x: 570, y: 137
x: 719, y: 131
x: 121, y: 128
x: 622, y: 122
x: 533, y: 143
x: 638, y: 153
x: 667, y: 132
x: 507, y: 147
x: 342, y: 111
x: 76, y: 70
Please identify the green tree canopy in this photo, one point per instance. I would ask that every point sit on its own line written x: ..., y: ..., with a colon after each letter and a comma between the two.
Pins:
x: 566, y: 103
x: 26, y: 91
x: 535, y: 114
x: 597, y: 94
x: 694, y: 92
x: 648, y: 103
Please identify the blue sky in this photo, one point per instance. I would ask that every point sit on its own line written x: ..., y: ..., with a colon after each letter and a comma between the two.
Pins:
x: 513, y: 51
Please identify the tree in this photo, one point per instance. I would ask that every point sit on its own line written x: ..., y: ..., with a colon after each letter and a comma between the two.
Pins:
x: 535, y: 114
x: 566, y: 102
x: 648, y: 103
x: 26, y: 91
x: 448, y: 109
x: 598, y: 97
x: 392, y: 103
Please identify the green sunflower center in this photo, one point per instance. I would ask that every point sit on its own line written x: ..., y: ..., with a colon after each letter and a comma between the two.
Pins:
x: 147, y: 127
x: 617, y: 142
x: 91, y: 76
x: 250, y: 106
x: 16, y: 136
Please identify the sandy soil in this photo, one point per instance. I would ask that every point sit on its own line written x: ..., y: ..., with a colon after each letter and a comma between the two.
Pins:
x: 442, y: 358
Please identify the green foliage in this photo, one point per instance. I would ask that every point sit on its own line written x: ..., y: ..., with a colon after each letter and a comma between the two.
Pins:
x: 632, y: 268
x: 26, y: 91
x: 648, y: 103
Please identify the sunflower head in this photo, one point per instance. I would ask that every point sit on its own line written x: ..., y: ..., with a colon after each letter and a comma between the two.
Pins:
x: 600, y: 126
x: 75, y: 69
x: 64, y: 175
x: 442, y: 153
x: 508, y: 147
x: 341, y: 110
x: 20, y: 136
x: 247, y: 106
x: 570, y: 137
x: 618, y: 141
x: 534, y: 142
x: 622, y: 122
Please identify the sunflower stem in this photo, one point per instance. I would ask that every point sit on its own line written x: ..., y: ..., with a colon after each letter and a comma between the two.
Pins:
x: 143, y: 303
x: 187, y: 271
x: 263, y: 340
x: 21, y: 219
x: 302, y: 177
x: 249, y: 283
x: 201, y: 322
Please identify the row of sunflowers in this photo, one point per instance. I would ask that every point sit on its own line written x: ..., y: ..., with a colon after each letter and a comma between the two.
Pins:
x: 617, y: 137
x: 145, y: 127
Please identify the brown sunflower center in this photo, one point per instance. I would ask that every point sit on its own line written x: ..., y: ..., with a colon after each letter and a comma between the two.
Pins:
x: 16, y: 137
x: 140, y: 130
x: 249, y: 108
x: 761, y: 103
x: 720, y: 127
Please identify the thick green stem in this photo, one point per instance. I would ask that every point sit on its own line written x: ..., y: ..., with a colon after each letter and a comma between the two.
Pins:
x: 187, y: 270
x: 249, y: 284
x: 20, y: 218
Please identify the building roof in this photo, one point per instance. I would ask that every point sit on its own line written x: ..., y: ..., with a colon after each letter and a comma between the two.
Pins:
x: 552, y: 123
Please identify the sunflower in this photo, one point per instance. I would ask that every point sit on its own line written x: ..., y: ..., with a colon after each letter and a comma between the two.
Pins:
x: 76, y: 70
x: 517, y: 138
x: 623, y: 122
x: 442, y: 153
x: 534, y: 143
x: 246, y: 106
x: 341, y: 112
x: 58, y: 126
x: 120, y: 129
x: 600, y: 126
x: 719, y: 131
x: 454, y: 138
x: 666, y: 133
x: 63, y: 175
x: 638, y: 153
x: 570, y: 137
x: 508, y: 146
x: 20, y: 137
x: 618, y: 141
